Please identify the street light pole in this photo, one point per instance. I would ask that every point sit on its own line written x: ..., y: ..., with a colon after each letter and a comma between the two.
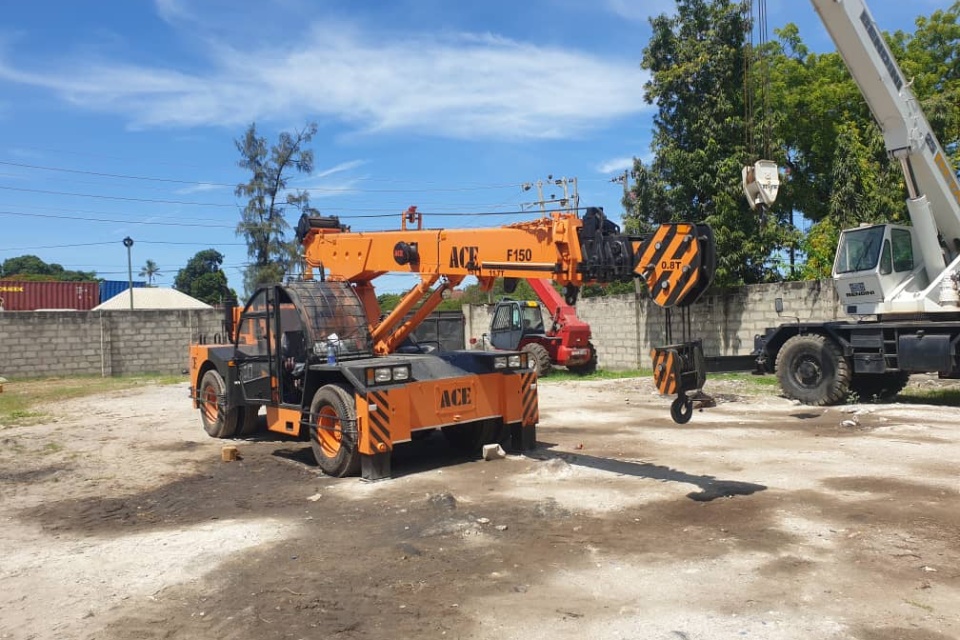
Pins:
x: 128, y: 242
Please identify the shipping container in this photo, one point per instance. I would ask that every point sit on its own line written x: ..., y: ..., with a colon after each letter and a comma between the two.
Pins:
x: 26, y: 295
x: 111, y: 288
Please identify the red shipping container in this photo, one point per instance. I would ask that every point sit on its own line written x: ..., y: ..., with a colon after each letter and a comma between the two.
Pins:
x: 26, y: 295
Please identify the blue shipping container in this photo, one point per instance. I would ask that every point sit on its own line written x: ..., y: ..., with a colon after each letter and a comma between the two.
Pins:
x: 111, y: 288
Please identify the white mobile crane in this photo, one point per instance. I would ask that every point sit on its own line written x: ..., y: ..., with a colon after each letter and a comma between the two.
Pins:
x: 899, y: 282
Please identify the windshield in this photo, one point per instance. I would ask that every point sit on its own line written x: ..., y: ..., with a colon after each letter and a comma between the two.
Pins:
x: 859, y: 249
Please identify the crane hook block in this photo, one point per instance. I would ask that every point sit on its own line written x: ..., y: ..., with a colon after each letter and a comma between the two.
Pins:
x: 761, y: 182
x: 677, y: 263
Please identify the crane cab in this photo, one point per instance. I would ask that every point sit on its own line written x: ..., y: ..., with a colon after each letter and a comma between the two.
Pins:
x: 874, y: 263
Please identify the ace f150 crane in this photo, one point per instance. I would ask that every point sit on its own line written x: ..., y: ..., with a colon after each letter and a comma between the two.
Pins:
x: 324, y: 362
x: 900, y: 281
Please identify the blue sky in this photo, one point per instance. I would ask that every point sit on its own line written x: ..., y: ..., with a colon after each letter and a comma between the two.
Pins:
x: 447, y: 105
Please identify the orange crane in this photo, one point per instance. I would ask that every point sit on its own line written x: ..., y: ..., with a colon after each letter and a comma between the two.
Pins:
x: 322, y: 359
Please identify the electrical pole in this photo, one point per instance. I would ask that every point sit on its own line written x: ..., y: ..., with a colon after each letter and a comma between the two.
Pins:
x: 128, y: 242
x: 570, y: 194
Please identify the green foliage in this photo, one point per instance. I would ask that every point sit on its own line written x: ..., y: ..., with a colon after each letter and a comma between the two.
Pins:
x: 474, y: 294
x: 30, y: 267
x: 263, y: 221
x: 150, y: 271
x: 203, y: 279
x: 611, y: 289
x: 389, y: 301
x: 697, y: 82
x: 838, y: 171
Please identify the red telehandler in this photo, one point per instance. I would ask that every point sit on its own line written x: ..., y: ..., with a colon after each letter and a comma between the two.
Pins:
x: 518, y: 325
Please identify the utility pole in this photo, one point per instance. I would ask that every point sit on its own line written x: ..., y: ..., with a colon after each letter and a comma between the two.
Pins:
x: 128, y: 242
x: 570, y: 194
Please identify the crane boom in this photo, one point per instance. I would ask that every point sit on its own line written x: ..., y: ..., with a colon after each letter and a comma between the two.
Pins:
x: 676, y: 260
x: 907, y: 134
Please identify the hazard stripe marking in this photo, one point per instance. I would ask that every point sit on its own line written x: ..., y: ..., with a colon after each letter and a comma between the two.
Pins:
x: 380, y: 419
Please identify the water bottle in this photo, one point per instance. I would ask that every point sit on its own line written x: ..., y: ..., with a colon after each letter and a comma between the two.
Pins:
x: 331, y: 353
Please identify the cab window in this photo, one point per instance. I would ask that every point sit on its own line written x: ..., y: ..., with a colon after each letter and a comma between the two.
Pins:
x: 902, y: 250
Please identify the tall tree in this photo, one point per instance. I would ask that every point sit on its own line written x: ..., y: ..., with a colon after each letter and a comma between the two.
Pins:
x: 262, y: 221
x: 203, y: 278
x: 150, y: 271
x: 838, y: 171
x: 30, y: 267
x: 696, y: 62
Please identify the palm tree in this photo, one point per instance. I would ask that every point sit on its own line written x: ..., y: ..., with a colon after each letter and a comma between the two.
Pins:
x: 150, y: 271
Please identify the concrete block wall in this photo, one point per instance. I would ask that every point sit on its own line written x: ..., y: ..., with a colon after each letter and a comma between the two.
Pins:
x: 619, y: 334
x: 626, y: 327
x: 50, y: 343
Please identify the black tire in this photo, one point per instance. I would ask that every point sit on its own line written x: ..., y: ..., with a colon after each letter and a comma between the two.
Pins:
x: 333, y: 431
x: 878, y: 386
x: 217, y: 421
x: 250, y: 422
x: 469, y: 438
x: 539, y: 358
x: 588, y: 367
x: 681, y: 410
x: 812, y: 369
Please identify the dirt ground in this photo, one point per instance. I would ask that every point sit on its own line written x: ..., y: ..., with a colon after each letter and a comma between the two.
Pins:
x: 761, y: 518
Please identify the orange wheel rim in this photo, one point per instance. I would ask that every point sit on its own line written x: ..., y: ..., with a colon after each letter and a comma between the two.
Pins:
x: 329, y: 431
x: 210, y: 408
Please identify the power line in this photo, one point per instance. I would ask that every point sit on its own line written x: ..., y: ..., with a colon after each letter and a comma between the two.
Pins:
x: 115, y: 221
x: 125, y: 199
x: 104, y: 174
x: 55, y: 246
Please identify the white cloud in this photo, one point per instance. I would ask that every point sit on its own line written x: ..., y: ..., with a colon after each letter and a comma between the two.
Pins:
x: 615, y: 165
x: 469, y: 86
x: 172, y: 10
x: 200, y: 187
x: 340, y: 168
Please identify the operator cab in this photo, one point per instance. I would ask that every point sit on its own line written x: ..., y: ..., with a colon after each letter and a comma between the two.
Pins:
x: 514, y: 320
x: 284, y: 329
x: 875, y: 263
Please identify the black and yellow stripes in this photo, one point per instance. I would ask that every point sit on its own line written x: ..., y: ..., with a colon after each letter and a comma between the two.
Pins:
x: 670, y: 263
x: 666, y: 370
x: 530, y: 411
x: 379, y: 420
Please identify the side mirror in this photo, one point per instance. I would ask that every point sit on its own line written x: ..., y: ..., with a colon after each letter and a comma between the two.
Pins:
x: 778, y: 305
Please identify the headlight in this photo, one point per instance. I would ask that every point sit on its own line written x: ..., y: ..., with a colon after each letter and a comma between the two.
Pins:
x: 382, y: 374
x: 514, y: 361
x: 401, y: 373
x: 500, y: 362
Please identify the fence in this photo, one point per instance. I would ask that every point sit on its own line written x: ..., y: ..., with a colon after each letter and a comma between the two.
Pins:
x: 51, y: 343
x: 624, y: 329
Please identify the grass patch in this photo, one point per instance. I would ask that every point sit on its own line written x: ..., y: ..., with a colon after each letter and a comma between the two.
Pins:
x: 760, y: 384
x: 22, y: 400
x: 940, y: 397
x: 557, y: 375
x: 51, y: 447
x: 766, y: 384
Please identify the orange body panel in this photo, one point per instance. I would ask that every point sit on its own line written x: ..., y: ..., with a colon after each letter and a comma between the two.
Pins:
x: 283, y: 420
x: 389, y: 415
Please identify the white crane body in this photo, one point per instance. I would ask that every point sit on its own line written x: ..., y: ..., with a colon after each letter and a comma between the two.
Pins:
x: 899, y: 282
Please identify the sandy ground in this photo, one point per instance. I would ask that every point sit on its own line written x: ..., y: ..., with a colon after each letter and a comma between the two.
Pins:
x: 761, y: 518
